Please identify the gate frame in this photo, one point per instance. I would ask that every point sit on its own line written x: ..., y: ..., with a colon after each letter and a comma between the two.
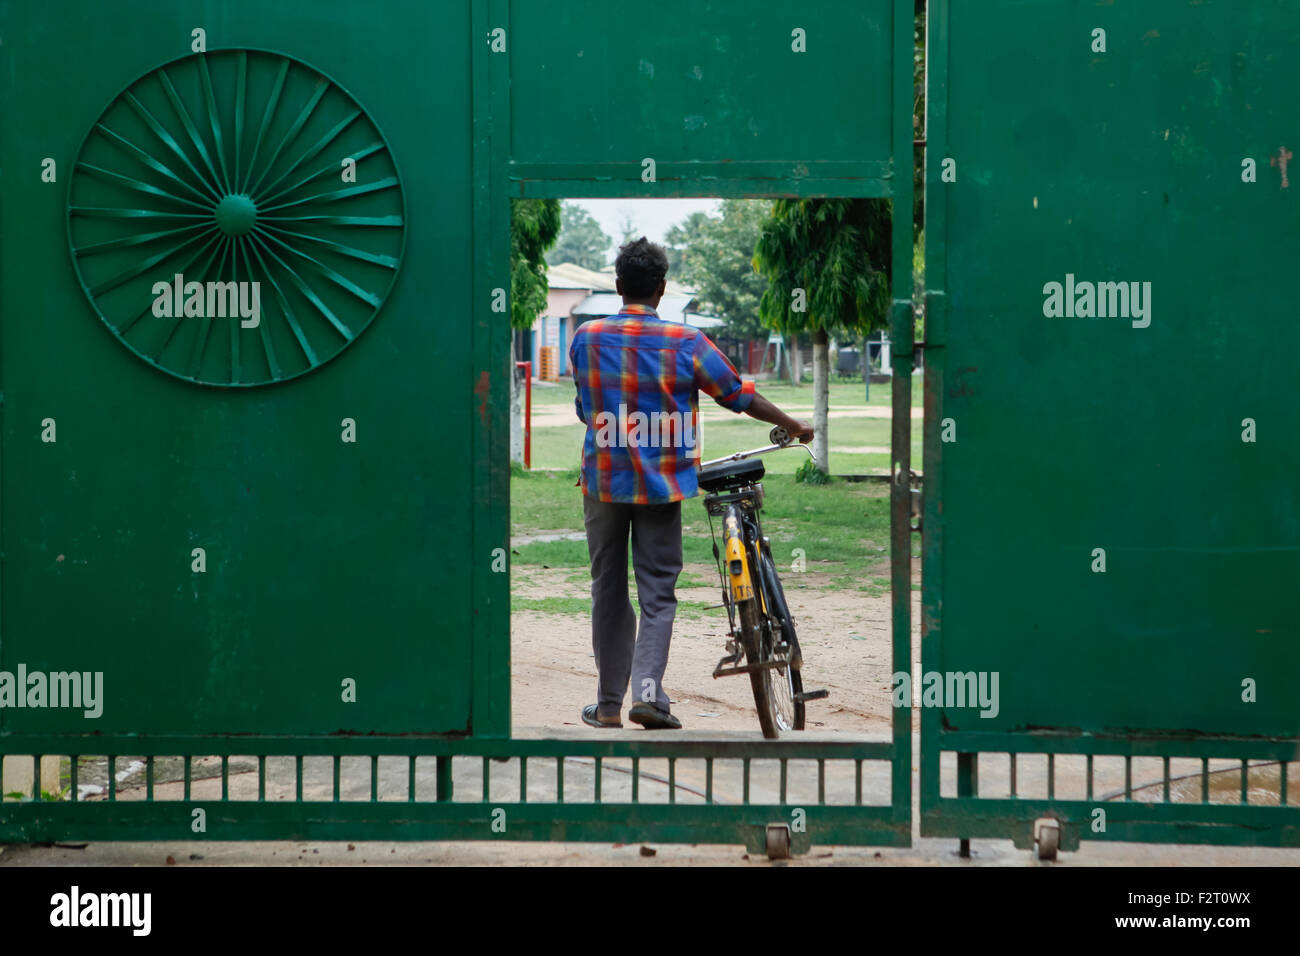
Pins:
x: 497, y: 180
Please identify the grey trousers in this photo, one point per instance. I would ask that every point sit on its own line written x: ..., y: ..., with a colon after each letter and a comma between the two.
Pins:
x: 621, y: 653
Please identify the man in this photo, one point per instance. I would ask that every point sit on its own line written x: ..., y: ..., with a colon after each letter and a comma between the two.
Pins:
x: 637, y: 379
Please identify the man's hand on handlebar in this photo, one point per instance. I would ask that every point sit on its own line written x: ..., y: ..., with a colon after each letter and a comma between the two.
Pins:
x: 765, y: 411
x: 780, y: 435
x: 802, y: 431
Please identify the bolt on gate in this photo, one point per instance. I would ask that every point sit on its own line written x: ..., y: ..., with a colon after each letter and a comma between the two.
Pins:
x: 235, y: 252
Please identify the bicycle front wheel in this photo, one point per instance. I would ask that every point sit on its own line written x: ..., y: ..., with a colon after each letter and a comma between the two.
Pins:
x: 751, y: 637
x: 785, y: 684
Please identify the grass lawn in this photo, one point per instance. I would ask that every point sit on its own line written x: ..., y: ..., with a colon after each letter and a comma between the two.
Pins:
x: 842, y: 527
x: 847, y: 393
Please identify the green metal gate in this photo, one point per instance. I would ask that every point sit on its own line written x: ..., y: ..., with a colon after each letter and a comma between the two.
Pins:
x: 256, y: 530
x: 1111, y: 523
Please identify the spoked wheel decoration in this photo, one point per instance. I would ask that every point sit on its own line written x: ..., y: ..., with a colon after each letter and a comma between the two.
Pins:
x: 236, y: 218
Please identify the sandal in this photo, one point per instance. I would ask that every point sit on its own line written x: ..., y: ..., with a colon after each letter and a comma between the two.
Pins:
x: 652, y: 718
x: 591, y: 717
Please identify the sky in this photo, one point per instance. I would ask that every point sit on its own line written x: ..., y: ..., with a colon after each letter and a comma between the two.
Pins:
x: 653, y: 217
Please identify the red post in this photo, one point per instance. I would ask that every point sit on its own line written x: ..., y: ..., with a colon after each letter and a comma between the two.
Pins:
x: 528, y: 412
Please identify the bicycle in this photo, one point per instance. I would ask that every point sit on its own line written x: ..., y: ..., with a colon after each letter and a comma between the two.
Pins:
x: 761, y: 626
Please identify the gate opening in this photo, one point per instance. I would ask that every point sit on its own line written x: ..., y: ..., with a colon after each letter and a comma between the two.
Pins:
x: 830, y: 542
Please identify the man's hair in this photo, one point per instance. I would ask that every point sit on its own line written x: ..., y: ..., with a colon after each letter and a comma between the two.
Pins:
x: 641, y: 265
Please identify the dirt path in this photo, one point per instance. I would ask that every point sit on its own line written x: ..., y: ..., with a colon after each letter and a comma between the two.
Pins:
x: 845, y: 636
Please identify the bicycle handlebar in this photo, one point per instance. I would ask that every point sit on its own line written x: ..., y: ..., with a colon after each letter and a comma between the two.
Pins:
x: 779, y: 438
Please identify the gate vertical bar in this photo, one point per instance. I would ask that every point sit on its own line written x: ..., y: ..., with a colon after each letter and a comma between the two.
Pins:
x: 490, y: 698
x: 901, y: 333
x: 936, y: 313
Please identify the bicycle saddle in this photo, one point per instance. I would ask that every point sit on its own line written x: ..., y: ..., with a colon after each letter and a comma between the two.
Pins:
x: 732, y: 474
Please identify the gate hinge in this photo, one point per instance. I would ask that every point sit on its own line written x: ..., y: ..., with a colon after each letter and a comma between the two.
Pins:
x: 936, y: 318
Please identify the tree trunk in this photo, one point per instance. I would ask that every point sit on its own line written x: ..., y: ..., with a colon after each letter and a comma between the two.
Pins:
x: 516, y: 410
x: 821, y: 399
x: 865, y: 359
x: 796, y: 365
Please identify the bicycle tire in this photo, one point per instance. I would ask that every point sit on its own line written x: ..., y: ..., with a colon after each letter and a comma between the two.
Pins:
x: 779, y: 611
x: 751, y: 638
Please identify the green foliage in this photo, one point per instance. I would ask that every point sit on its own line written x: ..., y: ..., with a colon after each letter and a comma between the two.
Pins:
x: 581, y: 240
x: 534, y: 226
x: 627, y: 228
x: 719, y: 263
x: 679, y: 239
x: 918, y: 285
x: 809, y: 474
x: 46, y: 796
x: 838, y: 252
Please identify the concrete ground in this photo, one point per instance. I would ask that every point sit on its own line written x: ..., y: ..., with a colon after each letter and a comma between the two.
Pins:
x: 927, y: 852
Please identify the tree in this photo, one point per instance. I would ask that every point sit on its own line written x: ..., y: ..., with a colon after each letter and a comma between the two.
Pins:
x: 581, y: 241
x: 679, y: 238
x: 627, y: 227
x: 534, y: 227
x: 827, y: 267
x: 718, y: 262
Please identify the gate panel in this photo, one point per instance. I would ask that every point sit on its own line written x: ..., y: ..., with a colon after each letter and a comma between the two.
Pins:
x: 1113, y: 525
x: 319, y: 552
x: 704, y: 91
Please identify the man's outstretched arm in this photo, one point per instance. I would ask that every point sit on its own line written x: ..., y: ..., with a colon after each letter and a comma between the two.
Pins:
x: 765, y: 411
x: 717, y: 377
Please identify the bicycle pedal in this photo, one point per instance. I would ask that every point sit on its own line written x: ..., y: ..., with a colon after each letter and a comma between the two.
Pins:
x: 726, y: 666
x: 811, y: 695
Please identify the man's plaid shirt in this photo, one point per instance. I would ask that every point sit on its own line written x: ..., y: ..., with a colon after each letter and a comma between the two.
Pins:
x: 638, y: 378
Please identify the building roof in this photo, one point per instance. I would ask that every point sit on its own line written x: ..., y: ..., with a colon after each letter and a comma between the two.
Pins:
x: 566, y: 275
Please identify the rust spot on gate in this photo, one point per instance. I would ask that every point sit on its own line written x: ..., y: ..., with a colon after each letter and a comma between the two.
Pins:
x: 481, y: 390
x: 960, y: 388
x: 1280, y: 161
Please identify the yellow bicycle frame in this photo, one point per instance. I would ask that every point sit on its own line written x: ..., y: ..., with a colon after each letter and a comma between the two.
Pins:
x: 738, y: 571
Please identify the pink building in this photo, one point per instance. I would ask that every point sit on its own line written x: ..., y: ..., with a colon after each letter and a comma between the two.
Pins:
x: 576, y: 295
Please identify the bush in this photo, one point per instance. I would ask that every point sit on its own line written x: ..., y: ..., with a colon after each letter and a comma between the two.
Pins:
x: 810, y: 474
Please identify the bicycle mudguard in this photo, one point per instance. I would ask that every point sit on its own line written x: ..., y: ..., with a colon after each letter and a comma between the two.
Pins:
x: 737, y: 557
x: 779, y: 608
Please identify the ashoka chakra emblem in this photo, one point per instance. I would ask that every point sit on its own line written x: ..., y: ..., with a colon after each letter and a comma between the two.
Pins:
x: 236, y: 218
